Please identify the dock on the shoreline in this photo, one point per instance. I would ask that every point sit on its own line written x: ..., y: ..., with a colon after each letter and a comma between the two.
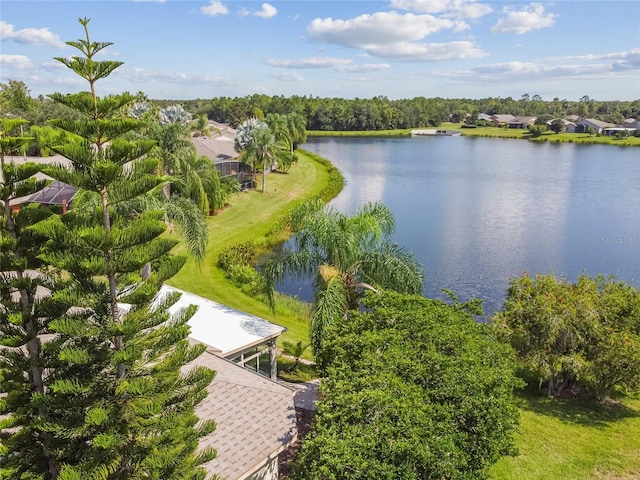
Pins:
x: 434, y: 131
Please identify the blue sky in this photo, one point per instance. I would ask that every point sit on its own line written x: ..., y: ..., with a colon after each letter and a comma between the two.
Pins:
x: 183, y: 49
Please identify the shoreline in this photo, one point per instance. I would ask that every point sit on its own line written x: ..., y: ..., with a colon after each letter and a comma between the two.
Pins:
x: 491, y: 132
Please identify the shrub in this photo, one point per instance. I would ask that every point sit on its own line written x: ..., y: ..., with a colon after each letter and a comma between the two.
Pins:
x: 415, y: 389
x: 537, y: 130
x: 241, y: 254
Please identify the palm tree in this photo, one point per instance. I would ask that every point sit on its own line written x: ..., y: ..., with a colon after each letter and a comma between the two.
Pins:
x: 218, y: 189
x: 201, y: 126
x: 291, y: 131
x: 297, y: 128
x: 258, y: 147
x: 347, y: 255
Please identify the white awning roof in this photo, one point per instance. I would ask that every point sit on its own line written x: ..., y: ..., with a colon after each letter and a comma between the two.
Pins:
x: 225, y: 330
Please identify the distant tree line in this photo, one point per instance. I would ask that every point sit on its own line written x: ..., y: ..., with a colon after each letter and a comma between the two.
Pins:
x: 381, y: 113
x: 377, y: 113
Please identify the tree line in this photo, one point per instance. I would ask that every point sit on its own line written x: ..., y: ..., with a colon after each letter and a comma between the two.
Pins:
x: 321, y: 113
x: 381, y: 113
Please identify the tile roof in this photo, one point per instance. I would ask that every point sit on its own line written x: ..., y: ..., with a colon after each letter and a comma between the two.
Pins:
x: 217, y: 147
x: 255, y: 418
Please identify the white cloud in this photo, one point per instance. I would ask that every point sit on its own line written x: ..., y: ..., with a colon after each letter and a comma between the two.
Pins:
x: 531, y: 17
x: 310, y: 62
x: 455, y: 8
x: 529, y: 70
x: 53, y: 66
x: 377, y: 28
x: 426, y: 52
x: 623, y: 56
x: 366, y: 68
x: 547, y: 71
x: 288, y: 76
x: 336, y: 64
x: 631, y: 61
x: 150, y: 1
x: 18, y: 62
x: 267, y: 11
x: 214, y: 8
x: 30, y: 36
x: 395, y: 36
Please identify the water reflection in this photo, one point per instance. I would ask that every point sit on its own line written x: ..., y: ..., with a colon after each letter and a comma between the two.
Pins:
x: 478, y: 211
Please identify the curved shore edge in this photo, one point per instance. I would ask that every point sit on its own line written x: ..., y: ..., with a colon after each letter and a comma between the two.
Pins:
x: 251, y: 216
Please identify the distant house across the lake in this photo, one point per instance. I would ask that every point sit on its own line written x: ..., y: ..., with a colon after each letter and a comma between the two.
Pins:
x: 583, y: 125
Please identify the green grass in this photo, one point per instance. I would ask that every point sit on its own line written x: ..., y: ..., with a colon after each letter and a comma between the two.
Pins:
x: 574, y: 440
x: 249, y: 216
x: 304, y: 372
x: 360, y: 133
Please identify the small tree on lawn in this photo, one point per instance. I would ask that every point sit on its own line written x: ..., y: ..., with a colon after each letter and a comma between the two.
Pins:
x: 120, y: 404
x: 585, y: 333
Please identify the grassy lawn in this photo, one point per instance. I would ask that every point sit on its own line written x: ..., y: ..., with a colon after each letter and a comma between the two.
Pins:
x: 368, y: 133
x: 573, y: 440
x: 249, y: 217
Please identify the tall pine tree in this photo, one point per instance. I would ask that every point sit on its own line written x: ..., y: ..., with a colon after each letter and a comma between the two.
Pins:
x: 27, y: 291
x: 119, y: 402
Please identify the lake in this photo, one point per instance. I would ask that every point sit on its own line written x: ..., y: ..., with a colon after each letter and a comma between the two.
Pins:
x: 478, y: 211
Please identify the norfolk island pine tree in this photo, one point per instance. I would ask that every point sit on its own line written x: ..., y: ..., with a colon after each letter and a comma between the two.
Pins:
x: 120, y: 403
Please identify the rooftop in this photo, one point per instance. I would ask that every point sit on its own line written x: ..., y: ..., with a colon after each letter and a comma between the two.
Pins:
x: 255, y: 418
x: 225, y: 330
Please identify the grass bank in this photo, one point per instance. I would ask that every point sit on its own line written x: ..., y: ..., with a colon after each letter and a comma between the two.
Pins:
x: 571, y: 440
x: 250, y: 216
x: 495, y: 132
x: 360, y: 133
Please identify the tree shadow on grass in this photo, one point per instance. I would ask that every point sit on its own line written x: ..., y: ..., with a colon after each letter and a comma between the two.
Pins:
x: 589, y: 413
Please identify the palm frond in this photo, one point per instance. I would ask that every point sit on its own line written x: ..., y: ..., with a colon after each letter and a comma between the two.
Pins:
x: 188, y: 217
x: 330, y: 305
x: 394, y: 268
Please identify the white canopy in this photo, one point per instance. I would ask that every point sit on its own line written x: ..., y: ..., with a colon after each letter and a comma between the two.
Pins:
x: 224, y: 329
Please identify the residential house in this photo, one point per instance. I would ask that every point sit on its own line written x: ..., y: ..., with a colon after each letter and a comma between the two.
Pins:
x: 521, y: 122
x: 242, y: 338
x: 500, y: 120
x: 585, y: 124
x: 626, y: 128
x: 220, y: 148
x: 568, y: 125
x: 255, y: 421
x: 56, y: 194
x: 255, y: 415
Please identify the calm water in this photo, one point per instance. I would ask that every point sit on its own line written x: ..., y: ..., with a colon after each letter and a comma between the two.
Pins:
x: 477, y: 212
